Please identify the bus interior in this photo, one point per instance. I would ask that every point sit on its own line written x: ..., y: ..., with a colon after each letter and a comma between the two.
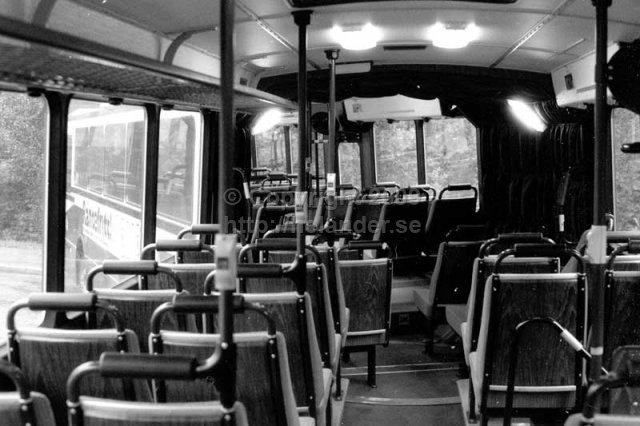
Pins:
x: 430, y: 206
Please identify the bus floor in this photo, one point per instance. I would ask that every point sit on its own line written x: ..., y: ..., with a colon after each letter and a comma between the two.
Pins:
x: 413, y: 388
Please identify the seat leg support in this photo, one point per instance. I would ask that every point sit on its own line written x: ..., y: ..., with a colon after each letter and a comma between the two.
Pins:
x: 472, y: 402
x: 339, y: 383
x: 371, y: 366
x: 428, y: 343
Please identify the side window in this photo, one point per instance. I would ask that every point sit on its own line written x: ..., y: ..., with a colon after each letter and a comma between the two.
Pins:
x: 451, y: 152
x: 625, y: 128
x: 293, y: 134
x: 395, y: 152
x: 24, y: 126
x: 88, y: 157
x: 106, y: 143
x: 178, y: 170
x: 115, y: 160
x: 270, y: 150
x: 349, y: 163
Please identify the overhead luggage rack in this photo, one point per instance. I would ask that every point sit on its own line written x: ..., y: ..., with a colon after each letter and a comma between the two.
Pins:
x: 50, y: 60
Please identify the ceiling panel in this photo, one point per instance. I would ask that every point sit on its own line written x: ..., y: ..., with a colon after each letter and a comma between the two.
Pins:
x: 560, y: 34
x: 165, y: 16
x: 399, y: 26
x: 266, y: 8
x: 532, y: 60
x: 564, y: 38
x: 250, y: 41
x: 542, y: 5
x: 620, y: 10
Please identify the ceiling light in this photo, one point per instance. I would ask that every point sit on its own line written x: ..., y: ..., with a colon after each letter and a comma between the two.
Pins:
x: 527, y: 115
x: 359, y: 37
x: 452, y: 35
x: 266, y: 120
x: 353, y: 67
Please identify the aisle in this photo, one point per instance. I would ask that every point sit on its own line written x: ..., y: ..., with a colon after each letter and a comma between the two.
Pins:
x: 413, y: 388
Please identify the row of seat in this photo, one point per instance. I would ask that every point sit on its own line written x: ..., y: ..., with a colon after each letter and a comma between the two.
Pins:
x: 531, y: 292
x: 412, y: 225
x: 311, y: 385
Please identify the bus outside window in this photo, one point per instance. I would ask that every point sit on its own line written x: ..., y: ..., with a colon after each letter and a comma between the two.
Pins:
x: 24, y: 122
x: 349, y: 163
x: 105, y: 185
x: 395, y: 152
x: 625, y: 128
x: 270, y: 150
x: 451, y: 152
x: 179, y: 168
x: 104, y: 189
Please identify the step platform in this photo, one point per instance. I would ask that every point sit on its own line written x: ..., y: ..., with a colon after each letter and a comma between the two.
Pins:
x: 403, y: 289
x: 337, y: 405
x: 463, y: 391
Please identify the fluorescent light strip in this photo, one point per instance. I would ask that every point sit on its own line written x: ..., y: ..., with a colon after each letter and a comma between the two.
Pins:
x: 266, y: 121
x: 527, y: 115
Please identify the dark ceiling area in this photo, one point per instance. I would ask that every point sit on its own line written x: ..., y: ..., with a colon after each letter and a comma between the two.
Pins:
x: 468, y: 87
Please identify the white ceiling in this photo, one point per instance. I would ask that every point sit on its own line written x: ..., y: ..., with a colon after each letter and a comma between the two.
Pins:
x: 266, y: 36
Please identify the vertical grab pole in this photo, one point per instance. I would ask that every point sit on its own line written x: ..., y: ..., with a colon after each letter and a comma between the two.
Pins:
x: 225, y: 255
x: 302, y: 19
x: 316, y: 153
x: 226, y: 150
x: 332, y: 56
x: 597, y: 237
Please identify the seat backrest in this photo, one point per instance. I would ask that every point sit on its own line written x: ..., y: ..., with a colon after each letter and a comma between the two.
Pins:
x: 328, y: 258
x: 317, y: 288
x: 544, y: 360
x: 603, y: 420
x: 267, y: 217
x: 452, y: 275
x: 197, y: 257
x: 367, y: 288
x: 98, y: 411
x: 622, y: 318
x: 444, y: 215
x: 362, y: 217
x: 23, y: 407
x: 627, y: 263
x: 341, y: 206
x: 265, y: 386
x: 11, y: 410
x: 402, y: 225
x: 192, y: 276
x: 292, y: 315
x: 625, y: 362
x: 482, y: 270
x: 136, y: 308
x: 46, y: 356
x: 617, y: 393
x: 39, y: 347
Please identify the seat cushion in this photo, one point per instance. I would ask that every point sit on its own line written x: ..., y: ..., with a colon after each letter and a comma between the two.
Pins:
x: 307, y: 421
x: 476, y: 370
x: 423, y: 301
x: 335, y: 359
x: 456, y: 314
x: 344, y: 325
x: 466, y: 341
